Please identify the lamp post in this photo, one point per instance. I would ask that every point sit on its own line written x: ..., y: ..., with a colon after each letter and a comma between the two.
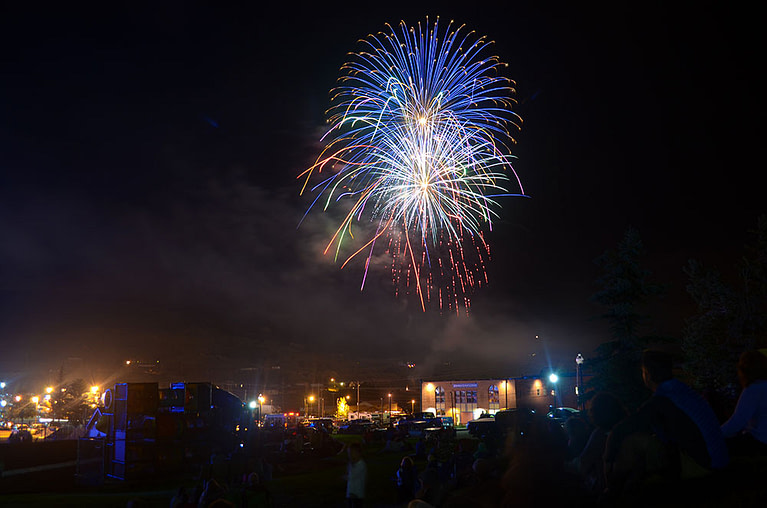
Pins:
x: 412, y: 406
x: 578, y: 381
x: 390, y: 405
x: 553, y: 378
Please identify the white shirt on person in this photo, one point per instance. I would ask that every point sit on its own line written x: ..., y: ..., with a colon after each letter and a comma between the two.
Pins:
x: 357, y: 476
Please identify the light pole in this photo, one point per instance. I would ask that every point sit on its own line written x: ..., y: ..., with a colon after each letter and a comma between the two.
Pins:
x: 412, y: 406
x: 553, y: 378
x: 578, y: 381
x: 390, y: 405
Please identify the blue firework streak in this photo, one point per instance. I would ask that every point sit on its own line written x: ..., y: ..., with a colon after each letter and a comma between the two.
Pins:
x: 418, y: 143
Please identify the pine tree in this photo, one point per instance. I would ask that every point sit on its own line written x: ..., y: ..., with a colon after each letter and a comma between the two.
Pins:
x: 729, y: 320
x: 624, y: 288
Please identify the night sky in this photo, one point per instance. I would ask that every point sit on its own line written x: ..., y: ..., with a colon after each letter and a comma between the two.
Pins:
x: 149, y: 202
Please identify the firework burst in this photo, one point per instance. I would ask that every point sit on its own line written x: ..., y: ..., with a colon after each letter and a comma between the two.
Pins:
x: 418, y: 143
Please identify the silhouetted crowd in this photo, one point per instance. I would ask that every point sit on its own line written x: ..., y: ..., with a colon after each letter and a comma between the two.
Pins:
x: 672, y: 451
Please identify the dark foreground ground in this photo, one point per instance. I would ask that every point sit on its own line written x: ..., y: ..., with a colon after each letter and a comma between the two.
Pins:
x: 320, y: 482
x: 308, y: 482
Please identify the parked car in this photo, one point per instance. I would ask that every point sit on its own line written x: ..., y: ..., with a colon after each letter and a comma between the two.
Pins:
x: 325, y: 424
x: 482, y: 427
x: 413, y: 428
x: 441, y: 426
x: 561, y: 414
x: 356, y: 427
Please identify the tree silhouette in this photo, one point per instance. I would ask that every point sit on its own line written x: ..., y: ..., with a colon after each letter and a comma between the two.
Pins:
x: 624, y: 287
x: 730, y: 319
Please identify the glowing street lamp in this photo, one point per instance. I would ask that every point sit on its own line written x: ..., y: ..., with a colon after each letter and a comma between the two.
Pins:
x: 261, y: 400
x: 553, y: 378
x: 412, y: 406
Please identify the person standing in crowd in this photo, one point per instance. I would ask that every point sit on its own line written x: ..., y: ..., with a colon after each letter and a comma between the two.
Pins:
x: 356, y: 477
x: 407, y: 480
x: 605, y: 411
x: 746, y: 430
x: 675, y: 434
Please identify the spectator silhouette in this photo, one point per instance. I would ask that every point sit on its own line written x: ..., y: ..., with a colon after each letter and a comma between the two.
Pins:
x: 356, y: 477
x: 578, y: 432
x: 255, y: 494
x: 674, y: 435
x: 746, y: 429
x: 605, y: 411
x: 431, y: 490
x: 407, y: 480
x: 536, y: 475
x: 212, y: 492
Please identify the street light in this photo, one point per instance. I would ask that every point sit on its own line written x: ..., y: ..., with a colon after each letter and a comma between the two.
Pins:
x: 390, y: 405
x: 553, y: 378
x: 578, y: 381
x: 261, y: 400
x: 412, y: 406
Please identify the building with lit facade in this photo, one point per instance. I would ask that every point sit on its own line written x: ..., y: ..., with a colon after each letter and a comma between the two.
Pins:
x: 466, y: 400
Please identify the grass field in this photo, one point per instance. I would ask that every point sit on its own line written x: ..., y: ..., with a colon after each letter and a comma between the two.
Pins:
x: 308, y: 483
